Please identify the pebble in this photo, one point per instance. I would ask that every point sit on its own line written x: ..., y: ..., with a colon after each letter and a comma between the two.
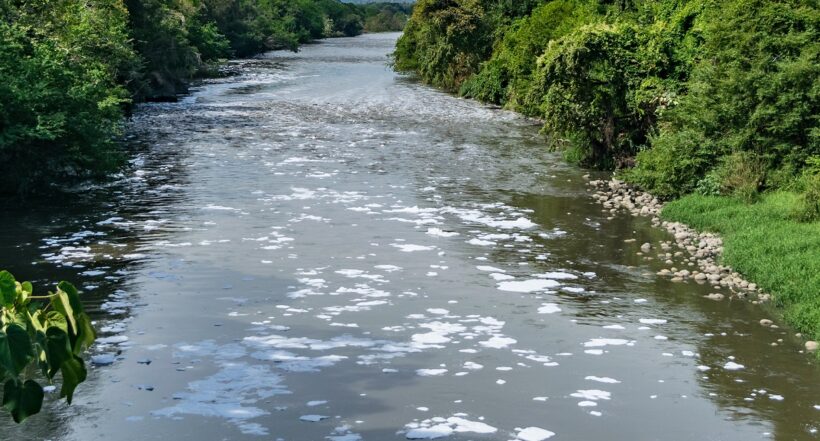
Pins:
x: 703, y: 249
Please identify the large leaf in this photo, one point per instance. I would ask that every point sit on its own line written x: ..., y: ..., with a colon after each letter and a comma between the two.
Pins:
x: 24, y: 292
x: 85, y: 333
x: 62, y: 304
x: 22, y: 399
x: 15, y: 349
x: 73, y: 296
x: 74, y: 373
x: 8, y: 289
x: 58, y: 350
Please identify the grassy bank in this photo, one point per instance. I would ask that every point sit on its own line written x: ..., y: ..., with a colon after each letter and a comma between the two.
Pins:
x: 764, y: 243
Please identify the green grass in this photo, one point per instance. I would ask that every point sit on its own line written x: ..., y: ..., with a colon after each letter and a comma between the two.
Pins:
x: 761, y: 242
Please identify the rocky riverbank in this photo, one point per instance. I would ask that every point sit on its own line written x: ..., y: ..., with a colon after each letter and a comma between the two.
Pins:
x: 691, y: 255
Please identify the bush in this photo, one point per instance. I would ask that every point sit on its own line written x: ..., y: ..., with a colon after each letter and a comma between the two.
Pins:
x: 742, y: 175
x: 808, y: 209
x: 755, y: 86
x: 585, y: 87
x: 445, y: 42
x: 673, y: 166
x: 48, y: 333
x: 60, y: 97
x: 507, y: 76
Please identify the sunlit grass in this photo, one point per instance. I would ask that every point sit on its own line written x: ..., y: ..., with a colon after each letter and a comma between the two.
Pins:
x: 761, y: 242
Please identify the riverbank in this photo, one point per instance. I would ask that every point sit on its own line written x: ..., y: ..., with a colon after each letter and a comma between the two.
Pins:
x: 73, y: 71
x: 755, y: 252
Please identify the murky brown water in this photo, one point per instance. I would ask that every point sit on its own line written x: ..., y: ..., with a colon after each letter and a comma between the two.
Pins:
x: 322, y: 249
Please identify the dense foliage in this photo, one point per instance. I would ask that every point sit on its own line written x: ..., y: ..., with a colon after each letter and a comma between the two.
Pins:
x: 62, y: 64
x: 719, y: 97
x: 72, y: 68
x: 40, y: 336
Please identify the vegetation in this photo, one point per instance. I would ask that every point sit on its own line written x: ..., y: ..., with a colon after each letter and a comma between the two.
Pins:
x: 386, y: 17
x: 671, y: 92
x: 72, y: 68
x: 40, y: 336
x: 717, y: 100
x: 762, y: 241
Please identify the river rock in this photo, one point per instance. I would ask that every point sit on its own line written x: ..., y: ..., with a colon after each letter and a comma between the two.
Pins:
x: 766, y: 322
x: 812, y: 346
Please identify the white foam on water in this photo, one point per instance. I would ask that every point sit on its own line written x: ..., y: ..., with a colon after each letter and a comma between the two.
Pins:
x: 533, y: 434
x: 549, y: 308
x: 230, y: 394
x: 601, y: 379
x: 592, y: 394
x: 653, y: 321
x: 732, y: 366
x: 313, y: 418
x: 388, y: 268
x: 491, y: 269
x: 439, y: 427
x: 527, y: 286
x: 410, y: 248
x: 430, y: 372
x: 212, y: 207
x: 558, y: 275
x: 438, y: 232
x: 480, y: 242
x: 600, y: 342
x: 498, y: 342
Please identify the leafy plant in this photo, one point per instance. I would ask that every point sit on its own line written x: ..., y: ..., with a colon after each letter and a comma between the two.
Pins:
x: 40, y: 336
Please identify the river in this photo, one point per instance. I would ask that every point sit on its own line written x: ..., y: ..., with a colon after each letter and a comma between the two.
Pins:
x: 319, y: 248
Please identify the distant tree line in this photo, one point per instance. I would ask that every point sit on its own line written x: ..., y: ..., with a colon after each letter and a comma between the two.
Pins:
x: 70, y: 69
x: 708, y: 96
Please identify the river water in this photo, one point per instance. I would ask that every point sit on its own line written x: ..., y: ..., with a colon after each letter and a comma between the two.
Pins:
x: 320, y: 248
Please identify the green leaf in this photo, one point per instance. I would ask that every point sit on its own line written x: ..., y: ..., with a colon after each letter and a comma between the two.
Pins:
x: 22, y: 400
x: 57, y: 319
x: 74, y: 373
x: 62, y: 304
x: 73, y: 296
x: 26, y: 290
x: 8, y: 289
x: 15, y: 349
x: 85, y: 333
x: 58, y: 350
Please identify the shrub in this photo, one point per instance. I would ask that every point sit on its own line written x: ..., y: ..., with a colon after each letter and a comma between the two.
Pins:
x: 673, y: 166
x: 583, y: 87
x: 60, y: 101
x: 755, y: 86
x: 445, y: 42
x: 507, y: 76
x: 46, y: 332
x: 742, y: 175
